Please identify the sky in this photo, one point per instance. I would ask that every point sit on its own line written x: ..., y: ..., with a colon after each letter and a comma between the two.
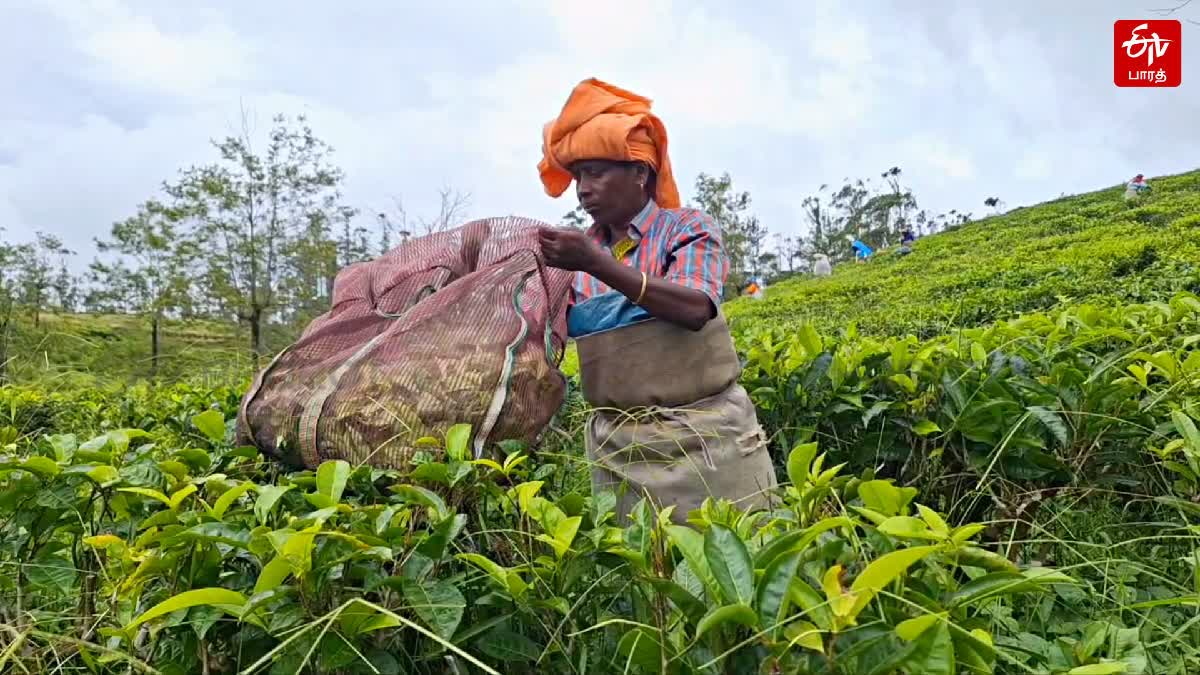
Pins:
x: 103, y: 100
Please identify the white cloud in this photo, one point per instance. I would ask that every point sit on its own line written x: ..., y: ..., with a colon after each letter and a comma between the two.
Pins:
x: 129, y: 49
x: 970, y: 101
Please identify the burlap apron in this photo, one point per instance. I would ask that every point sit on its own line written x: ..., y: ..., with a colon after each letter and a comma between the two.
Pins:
x: 671, y: 423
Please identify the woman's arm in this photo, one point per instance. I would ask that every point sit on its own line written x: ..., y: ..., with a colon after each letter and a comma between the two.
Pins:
x: 572, y: 249
x: 663, y: 299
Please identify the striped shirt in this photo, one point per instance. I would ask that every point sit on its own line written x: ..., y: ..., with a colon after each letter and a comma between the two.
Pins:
x: 682, y: 246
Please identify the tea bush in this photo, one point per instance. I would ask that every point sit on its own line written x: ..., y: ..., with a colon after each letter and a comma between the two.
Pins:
x: 1083, y: 397
x: 169, y: 550
x: 988, y: 454
x: 1092, y: 248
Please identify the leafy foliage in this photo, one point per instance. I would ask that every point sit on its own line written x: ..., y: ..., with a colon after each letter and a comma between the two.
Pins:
x: 162, y: 546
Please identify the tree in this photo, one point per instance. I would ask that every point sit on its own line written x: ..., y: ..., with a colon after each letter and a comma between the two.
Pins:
x: 742, y: 235
x: 151, y: 276
x: 255, y: 216
x: 35, y: 269
x: 576, y: 217
x: 452, y: 211
x: 10, y: 290
x: 994, y: 203
x: 66, y: 288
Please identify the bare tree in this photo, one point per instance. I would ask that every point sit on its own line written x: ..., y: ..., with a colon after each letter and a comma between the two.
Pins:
x: 1168, y: 11
x: 452, y: 211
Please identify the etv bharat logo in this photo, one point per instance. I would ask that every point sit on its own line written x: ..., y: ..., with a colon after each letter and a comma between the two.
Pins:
x: 1147, y: 53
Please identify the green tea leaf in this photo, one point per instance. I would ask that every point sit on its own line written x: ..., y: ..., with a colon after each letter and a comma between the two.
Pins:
x: 439, y: 604
x: 1053, y: 423
x: 416, y: 494
x: 228, y: 497
x: 223, y: 598
x: 458, y: 441
x: 507, y: 645
x: 52, y: 573
x: 739, y: 614
x: 799, y: 462
x: 104, y: 475
x: 433, y: 472
x: 434, y: 544
x: 331, y: 479
x: 690, y: 543
x: 689, y: 604
x: 211, y: 423
x: 926, y: 427
x: 990, y: 586
x: 886, y: 498
x: 494, y: 570
x: 273, y: 575
x: 933, y: 520
x: 883, y: 571
x: 911, y: 629
x: 933, y: 653
x: 224, y: 533
x: 42, y: 466
x: 147, y: 492
x: 729, y: 563
x: 992, y: 562
x: 906, y: 527
x: 181, y: 494
x: 804, y: 634
x: 64, y: 446
x: 773, y: 589
x: 268, y: 495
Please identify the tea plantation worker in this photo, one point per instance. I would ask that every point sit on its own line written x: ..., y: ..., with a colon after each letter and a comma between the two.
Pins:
x: 861, y: 250
x: 657, y: 362
x: 821, y: 266
x: 1136, y: 187
x: 906, y: 241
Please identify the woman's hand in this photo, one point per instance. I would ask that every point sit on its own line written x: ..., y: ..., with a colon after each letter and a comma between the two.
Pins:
x: 568, y: 248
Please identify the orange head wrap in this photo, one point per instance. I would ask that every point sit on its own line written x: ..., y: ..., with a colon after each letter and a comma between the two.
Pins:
x: 601, y: 121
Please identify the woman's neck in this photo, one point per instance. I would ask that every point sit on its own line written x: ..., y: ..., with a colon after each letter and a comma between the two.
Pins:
x: 620, y: 229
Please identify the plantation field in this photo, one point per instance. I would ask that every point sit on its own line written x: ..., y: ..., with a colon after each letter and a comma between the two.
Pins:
x: 988, y: 454
x: 1092, y: 247
x: 118, y: 346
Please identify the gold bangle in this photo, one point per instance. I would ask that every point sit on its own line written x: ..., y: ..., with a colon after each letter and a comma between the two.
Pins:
x: 643, y: 293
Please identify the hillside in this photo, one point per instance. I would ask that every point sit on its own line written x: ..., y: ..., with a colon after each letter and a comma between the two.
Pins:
x: 1021, y: 496
x: 1092, y: 247
x: 118, y: 347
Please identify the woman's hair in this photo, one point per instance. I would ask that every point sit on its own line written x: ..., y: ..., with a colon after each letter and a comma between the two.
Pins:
x: 651, y: 182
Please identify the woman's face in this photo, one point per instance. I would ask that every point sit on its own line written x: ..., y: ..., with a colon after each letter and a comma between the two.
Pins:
x: 611, y: 192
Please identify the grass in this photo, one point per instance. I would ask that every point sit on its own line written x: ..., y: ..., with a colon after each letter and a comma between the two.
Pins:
x: 118, y: 347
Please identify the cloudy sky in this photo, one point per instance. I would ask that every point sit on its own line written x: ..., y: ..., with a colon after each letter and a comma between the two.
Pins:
x: 100, y: 100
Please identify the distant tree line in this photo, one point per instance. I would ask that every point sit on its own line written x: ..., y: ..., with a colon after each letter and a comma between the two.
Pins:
x: 257, y: 236
x: 876, y: 212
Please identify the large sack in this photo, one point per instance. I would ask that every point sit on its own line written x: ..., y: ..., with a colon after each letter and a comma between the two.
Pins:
x: 464, y: 326
x: 684, y: 430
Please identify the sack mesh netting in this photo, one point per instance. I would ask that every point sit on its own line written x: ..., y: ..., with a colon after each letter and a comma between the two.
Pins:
x: 463, y: 326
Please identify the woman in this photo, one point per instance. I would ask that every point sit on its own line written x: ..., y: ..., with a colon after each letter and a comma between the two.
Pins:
x: 657, y: 362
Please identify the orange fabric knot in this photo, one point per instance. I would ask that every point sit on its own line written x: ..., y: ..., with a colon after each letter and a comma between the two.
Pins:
x: 602, y: 121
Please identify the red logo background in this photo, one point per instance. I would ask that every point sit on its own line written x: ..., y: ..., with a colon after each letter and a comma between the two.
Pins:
x: 1138, y: 71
